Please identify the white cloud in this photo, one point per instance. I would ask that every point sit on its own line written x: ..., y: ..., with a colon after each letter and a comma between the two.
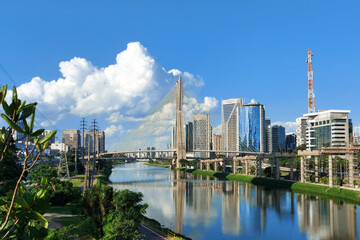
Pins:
x: 188, y: 78
x: 210, y: 103
x: 111, y: 130
x: 289, y: 126
x: 133, y: 84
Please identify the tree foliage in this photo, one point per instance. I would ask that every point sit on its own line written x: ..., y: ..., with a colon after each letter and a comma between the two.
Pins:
x: 21, y: 210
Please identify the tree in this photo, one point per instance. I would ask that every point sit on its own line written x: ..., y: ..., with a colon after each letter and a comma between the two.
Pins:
x: 10, y: 217
x: 123, y: 220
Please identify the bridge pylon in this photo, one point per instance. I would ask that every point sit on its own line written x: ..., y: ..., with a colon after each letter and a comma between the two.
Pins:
x: 180, y: 152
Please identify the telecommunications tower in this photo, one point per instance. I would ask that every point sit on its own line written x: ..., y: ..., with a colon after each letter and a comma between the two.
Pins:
x: 311, y: 94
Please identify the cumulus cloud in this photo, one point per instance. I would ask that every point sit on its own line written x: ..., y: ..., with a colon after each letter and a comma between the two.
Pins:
x: 188, y: 78
x: 111, y: 130
x: 133, y: 84
x: 289, y: 126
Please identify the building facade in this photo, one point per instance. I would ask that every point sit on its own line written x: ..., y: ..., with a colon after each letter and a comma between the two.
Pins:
x: 72, y: 138
x: 189, y: 136
x: 290, y: 141
x: 276, y: 138
x: 244, y: 126
x: 99, y: 141
x: 252, y: 133
x: 202, y: 135
x: 217, y: 144
x: 326, y: 128
x: 301, y: 125
x: 230, y: 123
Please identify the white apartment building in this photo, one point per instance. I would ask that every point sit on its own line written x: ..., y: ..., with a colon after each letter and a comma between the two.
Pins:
x: 326, y: 128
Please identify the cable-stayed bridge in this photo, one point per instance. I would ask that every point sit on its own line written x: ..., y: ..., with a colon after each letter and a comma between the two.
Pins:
x: 161, y: 133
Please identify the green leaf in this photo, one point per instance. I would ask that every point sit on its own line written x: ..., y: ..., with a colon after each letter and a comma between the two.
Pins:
x: 27, y: 111
x: 32, y: 121
x: 41, y: 205
x: 4, y: 91
x: 45, y: 145
x: 7, y: 108
x: 48, y: 137
x: 43, y: 222
x: 21, y: 201
x: 21, y: 106
x: 37, y: 133
x: 14, y: 96
x: 12, y: 124
x: 28, y: 197
x: 26, y: 127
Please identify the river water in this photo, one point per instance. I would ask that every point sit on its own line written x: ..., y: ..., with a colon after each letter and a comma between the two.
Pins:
x: 202, y: 208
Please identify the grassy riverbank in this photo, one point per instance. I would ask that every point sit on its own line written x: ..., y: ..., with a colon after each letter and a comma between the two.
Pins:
x: 158, y: 165
x: 351, y: 196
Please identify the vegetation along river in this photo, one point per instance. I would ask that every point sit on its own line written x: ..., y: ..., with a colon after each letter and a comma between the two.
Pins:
x: 201, y: 208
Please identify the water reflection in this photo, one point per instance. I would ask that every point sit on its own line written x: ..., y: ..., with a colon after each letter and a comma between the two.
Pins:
x: 203, y: 208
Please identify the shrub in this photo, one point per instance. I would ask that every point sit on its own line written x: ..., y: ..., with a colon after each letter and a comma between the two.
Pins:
x: 312, y: 177
x: 339, y: 181
x: 324, y: 180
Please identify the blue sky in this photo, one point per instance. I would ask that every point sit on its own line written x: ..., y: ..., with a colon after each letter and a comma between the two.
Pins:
x: 251, y: 49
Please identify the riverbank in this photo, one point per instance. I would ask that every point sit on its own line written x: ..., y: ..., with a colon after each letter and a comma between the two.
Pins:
x: 347, y: 195
x: 157, y: 165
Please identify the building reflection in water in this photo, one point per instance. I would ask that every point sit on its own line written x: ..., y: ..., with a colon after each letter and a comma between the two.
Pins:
x: 244, y: 208
x: 320, y: 219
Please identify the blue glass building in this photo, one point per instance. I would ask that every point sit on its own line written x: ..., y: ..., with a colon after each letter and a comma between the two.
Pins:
x: 252, y: 134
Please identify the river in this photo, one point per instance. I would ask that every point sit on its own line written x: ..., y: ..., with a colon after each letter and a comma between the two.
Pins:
x: 202, y: 208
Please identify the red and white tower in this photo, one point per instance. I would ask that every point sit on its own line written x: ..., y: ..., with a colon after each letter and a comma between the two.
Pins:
x: 311, y: 94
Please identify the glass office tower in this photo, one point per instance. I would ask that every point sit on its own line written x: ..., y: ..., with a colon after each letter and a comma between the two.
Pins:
x: 252, y: 134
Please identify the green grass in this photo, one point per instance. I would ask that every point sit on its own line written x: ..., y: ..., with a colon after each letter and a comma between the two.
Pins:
x: 158, y: 165
x: 347, y: 195
x: 66, y: 221
x: 62, y: 209
x: 78, y: 180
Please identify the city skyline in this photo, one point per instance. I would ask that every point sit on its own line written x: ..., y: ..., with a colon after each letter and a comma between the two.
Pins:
x: 224, y: 58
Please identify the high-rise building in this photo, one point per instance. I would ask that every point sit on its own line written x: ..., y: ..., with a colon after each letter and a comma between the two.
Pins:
x: 290, y: 141
x: 326, y: 128
x: 267, y: 124
x: 243, y: 126
x: 217, y: 143
x: 230, y: 123
x: 276, y: 138
x: 99, y: 141
x: 72, y: 138
x: 189, y: 136
x: 202, y: 135
x: 252, y: 134
x: 301, y: 125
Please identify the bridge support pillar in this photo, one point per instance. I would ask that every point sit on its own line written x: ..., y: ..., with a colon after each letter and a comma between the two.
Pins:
x: 216, y: 164
x: 259, y: 167
x: 316, y: 169
x: 302, y: 170
x: 246, y: 167
x: 224, y: 166
x: 349, y: 157
x: 201, y: 166
x: 330, y: 170
x: 277, y: 168
x: 234, y: 167
x: 292, y: 168
x: 207, y: 166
